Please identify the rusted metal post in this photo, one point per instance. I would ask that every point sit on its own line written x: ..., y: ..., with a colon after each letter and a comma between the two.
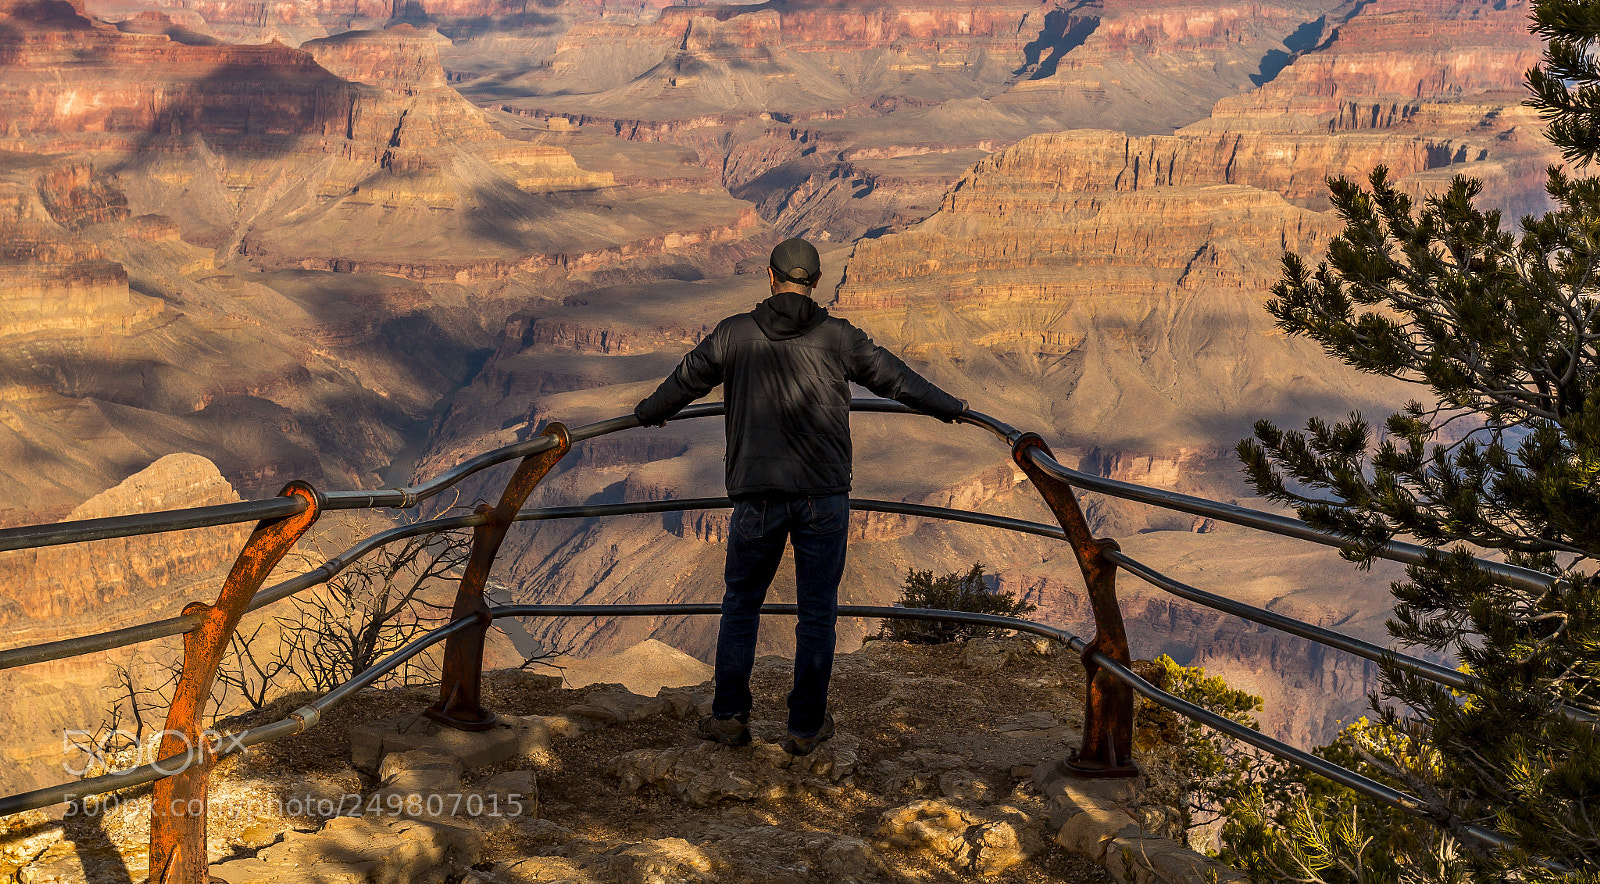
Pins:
x: 460, y: 681
x: 178, y: 804
x: 1107, y: 749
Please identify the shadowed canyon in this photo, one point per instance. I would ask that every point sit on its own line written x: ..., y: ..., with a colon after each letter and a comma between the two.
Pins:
x: 357, y: 243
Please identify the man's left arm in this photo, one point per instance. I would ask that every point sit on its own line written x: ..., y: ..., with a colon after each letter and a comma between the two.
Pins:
x: 695, y: 376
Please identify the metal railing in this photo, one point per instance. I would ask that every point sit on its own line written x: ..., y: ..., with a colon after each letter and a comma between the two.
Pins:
x: 177, y: 841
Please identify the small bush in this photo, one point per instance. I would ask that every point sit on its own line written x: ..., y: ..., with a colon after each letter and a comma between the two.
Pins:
x: 952, y: 592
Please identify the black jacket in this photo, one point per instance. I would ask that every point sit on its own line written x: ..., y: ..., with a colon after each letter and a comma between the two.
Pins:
x: 786, y: 368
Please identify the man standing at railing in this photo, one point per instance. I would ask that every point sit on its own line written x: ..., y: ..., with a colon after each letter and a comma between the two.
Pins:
x: 786, y: 369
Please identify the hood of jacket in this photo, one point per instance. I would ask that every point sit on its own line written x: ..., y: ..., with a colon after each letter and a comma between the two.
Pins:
x: 788, y: 315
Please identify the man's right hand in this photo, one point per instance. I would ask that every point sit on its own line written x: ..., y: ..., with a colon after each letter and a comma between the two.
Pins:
x: 644, y: 422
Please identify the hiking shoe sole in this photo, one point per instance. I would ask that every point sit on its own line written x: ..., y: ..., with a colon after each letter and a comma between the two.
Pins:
x: 727, y: 731
x: 798, y: 745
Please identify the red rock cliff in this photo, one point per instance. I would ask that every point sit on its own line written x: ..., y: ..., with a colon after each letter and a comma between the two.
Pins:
x: 70, y: 83
x: 1375, y: 69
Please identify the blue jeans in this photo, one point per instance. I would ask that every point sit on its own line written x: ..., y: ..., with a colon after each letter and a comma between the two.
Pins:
x: 756, y: 534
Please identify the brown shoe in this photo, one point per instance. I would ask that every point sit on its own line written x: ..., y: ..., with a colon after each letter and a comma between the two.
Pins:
x: 798, y: 745
x: 733, y: 731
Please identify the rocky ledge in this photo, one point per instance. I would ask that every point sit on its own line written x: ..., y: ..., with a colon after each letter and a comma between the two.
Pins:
x: 944, y: 769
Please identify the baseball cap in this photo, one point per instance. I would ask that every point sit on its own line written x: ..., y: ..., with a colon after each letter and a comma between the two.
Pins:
x: 797, y: 261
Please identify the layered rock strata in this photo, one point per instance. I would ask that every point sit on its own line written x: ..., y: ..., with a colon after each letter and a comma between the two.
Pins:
x: 1147, y: 67
x: 1126, y: 273
x: 277, y: 257
x: 371, y: 102
x: 52, y: 281
x: 486, y: 25
x: 1379, y: 67
x: 786, y: 98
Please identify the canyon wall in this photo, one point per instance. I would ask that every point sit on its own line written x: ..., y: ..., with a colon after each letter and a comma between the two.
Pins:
x: 60, y: 584
x: 279, y: 258
x: 879, y: 107
x: 80, y: 589
x: 1147, y: 67
x: 1129, y: 271
x: 1100, y: 276
x: 1376, y: 68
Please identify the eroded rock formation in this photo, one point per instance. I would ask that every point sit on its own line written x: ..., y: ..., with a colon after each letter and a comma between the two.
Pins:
x: 1379, y: 68
x: 230, y: 220
x: 875, y: 105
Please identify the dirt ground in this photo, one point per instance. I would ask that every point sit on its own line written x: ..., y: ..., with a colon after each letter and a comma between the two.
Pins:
x: 956, y: 725
x: 894, y: 698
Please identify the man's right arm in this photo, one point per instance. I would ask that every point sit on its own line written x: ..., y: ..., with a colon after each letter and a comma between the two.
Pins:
x: 695, y: 376
x: 884, y: 373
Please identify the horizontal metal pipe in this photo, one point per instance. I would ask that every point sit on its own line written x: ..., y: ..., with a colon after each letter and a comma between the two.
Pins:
x: 393, y: 498
x: 1416, y: 666
x: 1020, y: 526
x: 554, y: 513
x: 33, y: 536
x: 329, y: 569
x: 132, y: 635
x: 76, y: 791
x: 104, y: 641
x: 690, y: 608
x: 175, y: 764
x: 856, y: 503
x: 266, y: 733
x: 1408, y: 553
x: 404, y: 498
x: 1431, y: 671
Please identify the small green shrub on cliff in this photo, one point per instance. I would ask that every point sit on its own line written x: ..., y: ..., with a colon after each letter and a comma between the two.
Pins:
x: 1276, y: 822
x: 1216, y: 770
x: 967, y: 592
x: 1301, y: 827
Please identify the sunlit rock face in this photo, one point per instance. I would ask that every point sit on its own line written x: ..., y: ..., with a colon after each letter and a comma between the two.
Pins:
x: 1120, y: 280
x: 1131, y: 270
x: 1378, y: 69
x: 55, y: 584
